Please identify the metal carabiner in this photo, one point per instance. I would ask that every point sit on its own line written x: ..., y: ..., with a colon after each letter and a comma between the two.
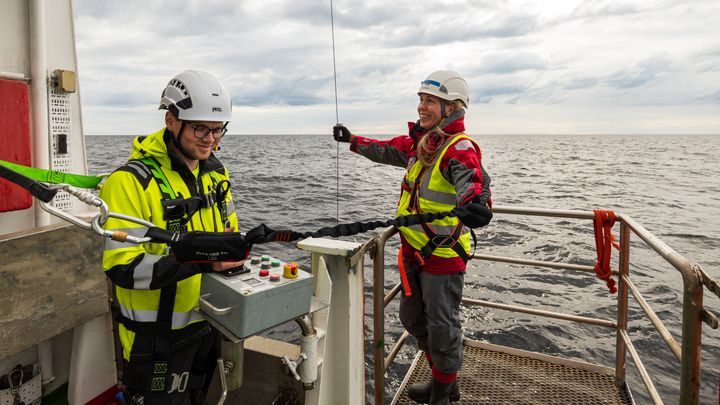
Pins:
x: 121, y: 236
x: 82, y: 195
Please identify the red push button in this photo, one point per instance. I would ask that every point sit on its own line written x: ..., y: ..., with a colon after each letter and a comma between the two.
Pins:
x: 275, y: 277
x: 264, y: 273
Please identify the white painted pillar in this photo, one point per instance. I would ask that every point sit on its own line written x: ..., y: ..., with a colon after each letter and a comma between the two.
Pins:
x: 92, y: 364
x: 339, y: 282
x: 39, y: 96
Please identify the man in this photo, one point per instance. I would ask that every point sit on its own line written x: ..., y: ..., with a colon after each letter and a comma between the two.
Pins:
x: 174, y: 181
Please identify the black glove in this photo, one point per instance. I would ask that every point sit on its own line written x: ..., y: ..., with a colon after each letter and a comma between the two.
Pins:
x: 341, y: 134
x: 475, y: 214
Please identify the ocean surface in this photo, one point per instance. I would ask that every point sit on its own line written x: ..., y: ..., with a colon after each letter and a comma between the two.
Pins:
x: 668, y: 184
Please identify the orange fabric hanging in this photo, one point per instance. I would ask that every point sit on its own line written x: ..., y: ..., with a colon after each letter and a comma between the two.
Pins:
x: 403, y: 275
x: 604, y: 242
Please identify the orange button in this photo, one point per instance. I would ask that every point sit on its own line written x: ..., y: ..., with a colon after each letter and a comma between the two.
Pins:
x: 275, y: 277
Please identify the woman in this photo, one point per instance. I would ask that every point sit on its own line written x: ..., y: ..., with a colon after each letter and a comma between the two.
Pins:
x: 443, y: 170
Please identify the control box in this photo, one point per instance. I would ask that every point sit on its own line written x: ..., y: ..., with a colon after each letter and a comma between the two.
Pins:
x: 261, y: 294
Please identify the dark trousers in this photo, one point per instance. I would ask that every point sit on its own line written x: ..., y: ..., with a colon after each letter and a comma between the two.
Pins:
x: 431, y: 315
x: 191, y: 363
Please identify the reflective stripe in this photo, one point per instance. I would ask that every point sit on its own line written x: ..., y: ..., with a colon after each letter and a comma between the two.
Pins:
x: 440, y: 230
x: 465, y: 144
x: 112, y: 244
x: 179, y: 319
x: 139, y: 168
x: 434, y: 195
x: 230, y: 208
x: 144, y: 272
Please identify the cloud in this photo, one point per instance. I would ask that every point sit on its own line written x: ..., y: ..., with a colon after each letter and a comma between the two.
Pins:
x: 600, y: 8
x: 510, y: 62
x: 277, y: 55
x: 639, y: 75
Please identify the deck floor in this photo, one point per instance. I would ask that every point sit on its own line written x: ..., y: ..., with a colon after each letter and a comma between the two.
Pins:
x: 493, y: 377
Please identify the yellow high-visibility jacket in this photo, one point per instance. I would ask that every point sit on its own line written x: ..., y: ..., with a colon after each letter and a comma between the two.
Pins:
x: 141, y: 272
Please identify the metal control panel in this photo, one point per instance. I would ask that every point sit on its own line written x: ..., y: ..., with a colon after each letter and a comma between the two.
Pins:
x: 261, y: 294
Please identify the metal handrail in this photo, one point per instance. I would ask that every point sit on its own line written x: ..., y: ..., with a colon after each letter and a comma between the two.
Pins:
x: 688, y: 353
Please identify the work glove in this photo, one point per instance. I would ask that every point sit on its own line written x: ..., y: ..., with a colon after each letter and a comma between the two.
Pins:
x: 475, y: 214
x: 341, y: 134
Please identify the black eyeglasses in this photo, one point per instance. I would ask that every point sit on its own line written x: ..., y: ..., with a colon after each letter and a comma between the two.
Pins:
x: 201, y: 131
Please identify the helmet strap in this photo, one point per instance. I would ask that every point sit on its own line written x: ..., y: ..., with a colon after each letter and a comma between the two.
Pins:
x: 442, y: 108
x: 176, y: 142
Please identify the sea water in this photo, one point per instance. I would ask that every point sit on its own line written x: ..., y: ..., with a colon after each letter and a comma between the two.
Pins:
x: 668, y: 184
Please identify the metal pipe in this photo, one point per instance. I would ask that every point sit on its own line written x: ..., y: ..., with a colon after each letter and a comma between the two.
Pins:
x: 308, y: 368
x: 13, y: 76
x: 379, y: 313
x: 539, y: 263
x: 396, y: 349
x: 692, y: 311
x: 38, y: 96
x: 669, y: 254
x: 654, y: 319
x: 641, y: 369
x: 389, y: 297
x: 549, y: 314
x: 544, y: 212
x: 306, y: 325
x: 223, y: 381
x: 45, y: 358
x: 622, y: 306
x: 691, y: 336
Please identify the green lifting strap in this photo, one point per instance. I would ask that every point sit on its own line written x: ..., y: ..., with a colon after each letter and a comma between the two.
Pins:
x: 55, y: 177
x: 163, y: 183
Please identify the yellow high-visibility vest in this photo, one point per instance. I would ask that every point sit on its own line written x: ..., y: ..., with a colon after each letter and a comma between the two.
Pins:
x: 426, y: 190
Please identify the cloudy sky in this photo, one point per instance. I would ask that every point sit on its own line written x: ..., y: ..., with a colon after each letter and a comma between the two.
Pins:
x: 535, y: 66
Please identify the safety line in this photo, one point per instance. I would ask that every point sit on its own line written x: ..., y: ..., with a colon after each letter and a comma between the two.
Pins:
x: 337, y: 120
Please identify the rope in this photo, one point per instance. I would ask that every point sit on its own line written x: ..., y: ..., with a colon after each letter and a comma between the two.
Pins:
x: 604, y: 242
x: 200, y: 246
x: 337, y: 120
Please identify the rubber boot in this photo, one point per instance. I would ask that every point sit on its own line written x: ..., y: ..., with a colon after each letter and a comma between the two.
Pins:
x: 421, y: 392
x: 440, y: 393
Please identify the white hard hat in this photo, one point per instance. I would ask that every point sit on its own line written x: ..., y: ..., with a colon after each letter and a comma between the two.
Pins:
x: 447, y: 85
x: 198, y: 96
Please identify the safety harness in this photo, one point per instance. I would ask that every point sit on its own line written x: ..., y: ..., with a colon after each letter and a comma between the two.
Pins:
x: 435, y: 240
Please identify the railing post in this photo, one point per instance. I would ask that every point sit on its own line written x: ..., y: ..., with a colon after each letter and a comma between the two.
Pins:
x: 378, y: 253
x: 622, y: 306
x: 691, y: 336
x: 379, y: 321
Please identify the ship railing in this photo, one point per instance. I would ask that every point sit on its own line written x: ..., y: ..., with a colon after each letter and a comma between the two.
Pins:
x: 687, y: 352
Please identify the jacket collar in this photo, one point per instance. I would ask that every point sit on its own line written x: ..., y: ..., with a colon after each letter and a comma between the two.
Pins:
x: 155, y: 145
x: 453, y: 124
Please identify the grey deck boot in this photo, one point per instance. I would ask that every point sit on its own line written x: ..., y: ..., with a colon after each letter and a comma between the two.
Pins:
x: 421, y: 392
x: 440, y: 393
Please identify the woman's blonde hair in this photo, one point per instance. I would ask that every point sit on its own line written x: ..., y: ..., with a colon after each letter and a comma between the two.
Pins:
x: 435, y: 137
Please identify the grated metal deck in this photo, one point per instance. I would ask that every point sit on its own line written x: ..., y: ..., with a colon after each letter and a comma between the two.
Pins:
x: 498, y: 375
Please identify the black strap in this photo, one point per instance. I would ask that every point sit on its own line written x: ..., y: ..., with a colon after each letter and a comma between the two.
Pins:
x: 445, y: 241
x: 413, y: 203
x: 222, y: 188
x: 38, y: 190
x: 164, y: 322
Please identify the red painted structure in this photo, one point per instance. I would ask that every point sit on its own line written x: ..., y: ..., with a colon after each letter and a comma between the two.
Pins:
x: 14, y: 140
